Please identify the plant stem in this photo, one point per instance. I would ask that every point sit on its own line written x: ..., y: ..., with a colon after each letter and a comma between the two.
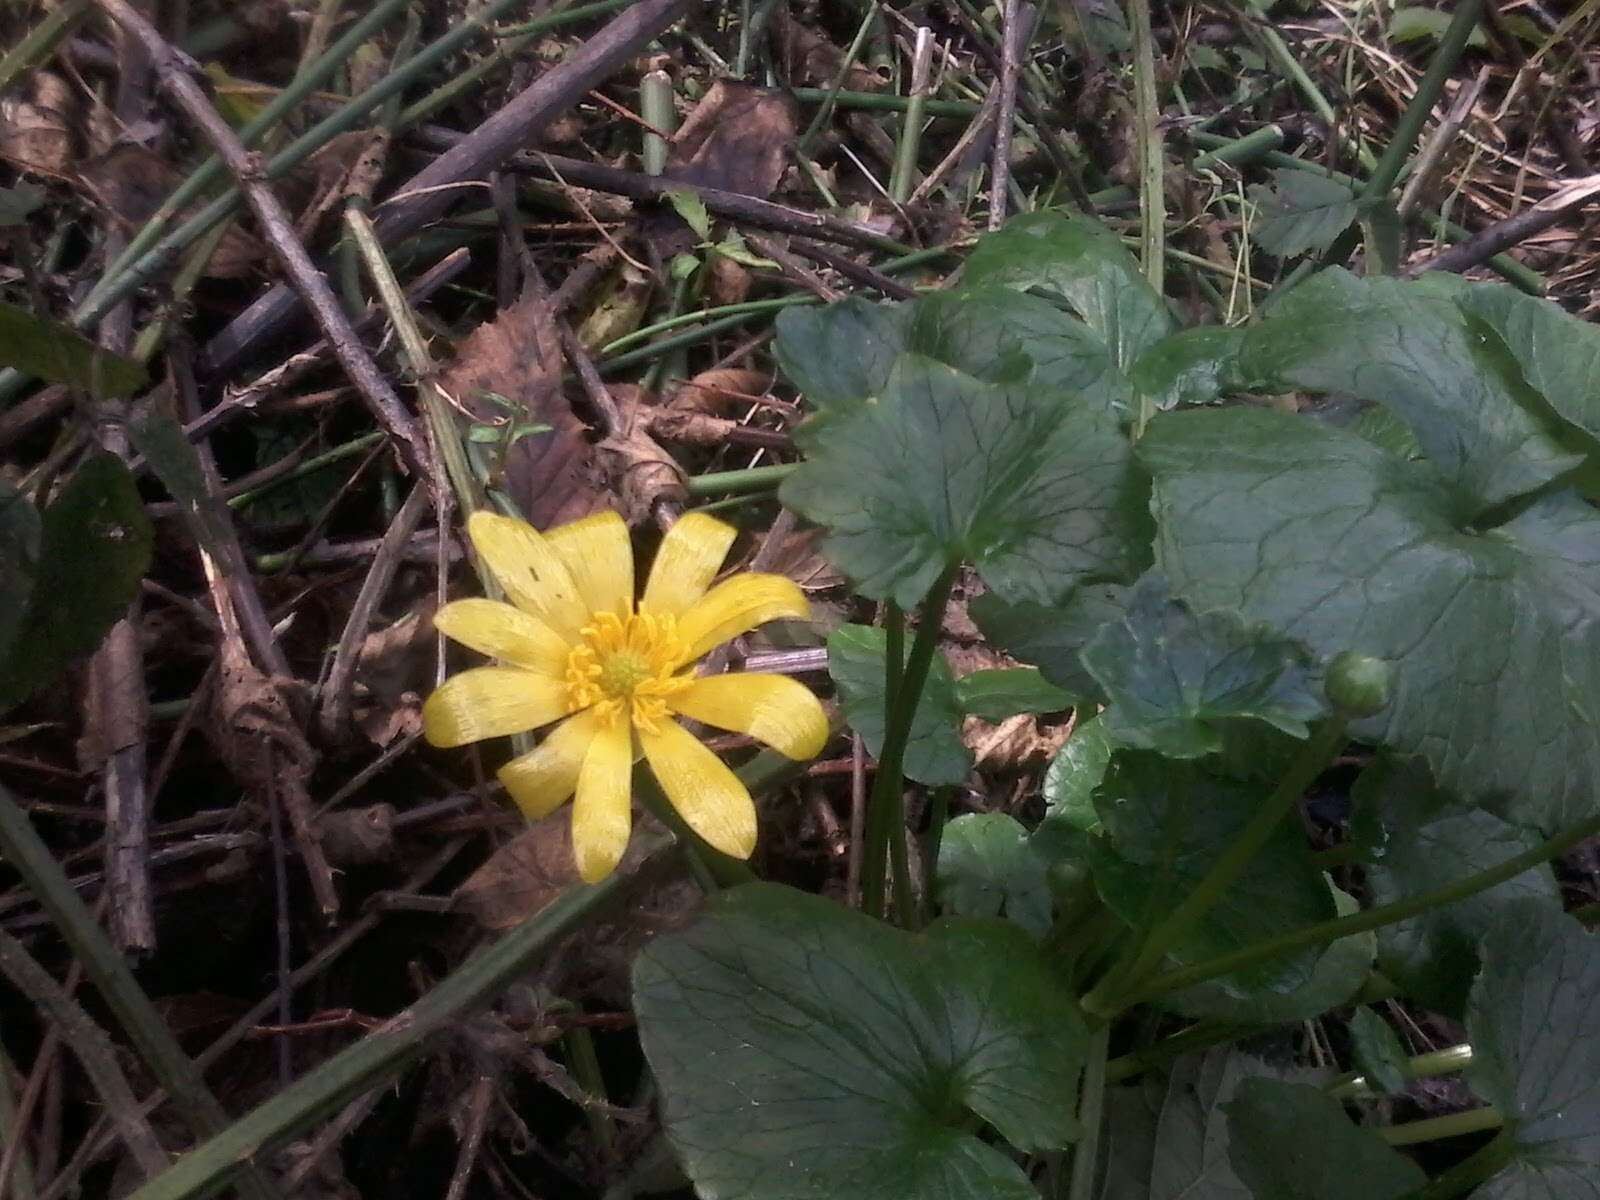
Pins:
x: 903, y: 176
x: 885, y: 811
x: 441, y: 417
x: 108, y: 971
x: 830, y: 96
x: 1091, y: 1110
x: 1463, y: 20
x: 584, y: 1064
x: 937, y: 818
x: 1196, y: 1037
x: 1152, y: 186
x: 41, y: 41
x: 751, y: 479
x: 885, y: 102
x: 1374, y: 918
x: 1312, y: 760
x: 1473, y: 1120
x: 1469, y: 1173
x: 1423, y: 1066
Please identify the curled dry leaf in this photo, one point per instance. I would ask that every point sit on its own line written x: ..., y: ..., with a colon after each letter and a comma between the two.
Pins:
x: 642, y: 474
x: 36, y: 130
x: 813, y: 60
x: 721, y: 389
x: 1017, y: 742
x: 550, y: 475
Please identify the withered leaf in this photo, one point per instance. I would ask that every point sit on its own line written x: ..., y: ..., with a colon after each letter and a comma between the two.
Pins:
x: 737, y: 139
x: 550, y: 475
x: 36, y: 131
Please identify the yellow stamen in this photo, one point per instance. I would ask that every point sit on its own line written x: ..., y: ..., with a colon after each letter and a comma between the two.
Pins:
x: 626, y: 663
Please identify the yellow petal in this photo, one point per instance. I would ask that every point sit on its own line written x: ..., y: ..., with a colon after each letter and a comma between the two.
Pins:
x: 501, y: 631
x: 542, y: 780
x: 602, y: 813
x: 599, y: 555
x: 491, y: 702
x: 770, y: 708
x: 528, y: 568
x: 736, y: 606
x: 691, y: 554
x: 706, y: 794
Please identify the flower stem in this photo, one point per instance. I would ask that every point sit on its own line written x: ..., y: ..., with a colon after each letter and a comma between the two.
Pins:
x: 1091, y: 1109
x: 1108, y: 995
x: 1457, y: 1124
x: 1374, y: 918
x: 885, y: 812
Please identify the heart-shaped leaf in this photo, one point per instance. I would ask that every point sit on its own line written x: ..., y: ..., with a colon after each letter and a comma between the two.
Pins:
x: 1291, y: 1141
x: 1173, y: 675
x: 1424, y: 840
x: 1494, y: 636
x: 988, y: 868
x: 1535, y: 1031
x: 1087, y: 266
x: 1036, y: 492
x: 1409, y: 347
x: 1301, y: 211
x: 840, y: 356
x: 1167, y: 823
x: 805, y: 1052
x: 935, y: 755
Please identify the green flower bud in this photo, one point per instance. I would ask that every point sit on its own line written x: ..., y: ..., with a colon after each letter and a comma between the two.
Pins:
x: 1358, y: 685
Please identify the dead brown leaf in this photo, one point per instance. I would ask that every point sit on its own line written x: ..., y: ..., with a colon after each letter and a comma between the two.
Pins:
x: 727, y: 282
x: 551, y: 476
x: 36, y: 130
x: 718, y: 390
x: 357, y: 835
x: 129, y: 182
x: 642, y: 474
x: 810, y: 59
x: 737, y: 138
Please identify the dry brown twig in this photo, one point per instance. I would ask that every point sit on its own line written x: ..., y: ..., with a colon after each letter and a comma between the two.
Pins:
x: 176, y: 74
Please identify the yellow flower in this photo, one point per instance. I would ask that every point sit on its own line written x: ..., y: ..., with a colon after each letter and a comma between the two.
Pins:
x: 575, y: 645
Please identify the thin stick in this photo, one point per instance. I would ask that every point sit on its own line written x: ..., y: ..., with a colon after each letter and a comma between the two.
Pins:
x: 93, y: 1049
x: 1152, y: 193
x: 1000, y: 173
x: 176, y: 73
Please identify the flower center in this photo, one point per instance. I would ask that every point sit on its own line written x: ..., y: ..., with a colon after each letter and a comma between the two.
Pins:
x: 626, y: 664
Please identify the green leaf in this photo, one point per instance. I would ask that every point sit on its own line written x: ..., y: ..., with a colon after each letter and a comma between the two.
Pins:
x: 839, y: 356
x: 1083, y: 263
x: 1194, y: 366
x: 156, y: 434
x: 692, y: 209
x: 987, y: 868
x: 807, y: 1052
x: 1555, y: 353
x: 935, y: 755
x: 1167, y: 1138
x: 1172, y: 675
x: 19, y: 560
x: 1340, y: 972
x: 1168, y: 822
x: 94, y: 547
x: 1418, y: 355
x: 1075, y: 773
x: 1494, y: 636
x: 733, y: 247
x: 1004, y: 692
x: 59, y: 353
x: 1050, y: 636
x: 1425, y: 841
x: 1535, y: 1031
x: 1001, y: 335
x: 18, y: 203
x: 1301, y: 211
x: 1411, y: 22
x: 1036, y: 494
x: 1377, y: 1051
x: 1291, y: 1141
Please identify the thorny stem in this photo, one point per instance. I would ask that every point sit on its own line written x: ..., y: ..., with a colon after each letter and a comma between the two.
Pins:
x: 885, y: 811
